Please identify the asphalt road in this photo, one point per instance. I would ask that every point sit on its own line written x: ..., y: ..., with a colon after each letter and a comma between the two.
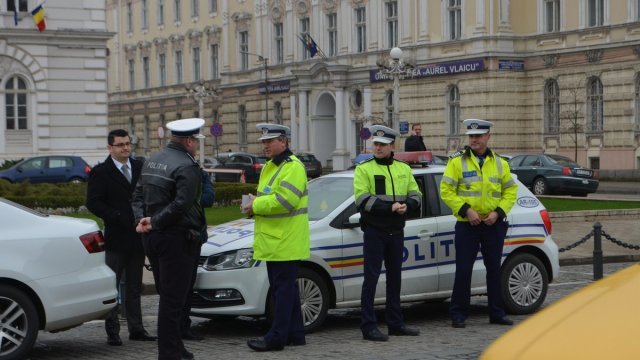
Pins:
x: 339, y: 338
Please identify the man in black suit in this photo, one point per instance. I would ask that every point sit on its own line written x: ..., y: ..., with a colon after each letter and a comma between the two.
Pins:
x: 109, y: 192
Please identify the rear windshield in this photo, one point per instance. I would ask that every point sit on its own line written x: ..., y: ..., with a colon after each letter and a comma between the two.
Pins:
x: 564, y: 161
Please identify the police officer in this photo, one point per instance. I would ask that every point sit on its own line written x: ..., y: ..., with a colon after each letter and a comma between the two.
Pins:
x: 385, y: 191
x: 281, y: 234
x: 478, y: 187
x: 167, y: 209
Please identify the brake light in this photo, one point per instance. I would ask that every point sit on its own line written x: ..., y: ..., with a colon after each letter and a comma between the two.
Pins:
x: 566, y: 171
x: 544, y: 214
x: 87, y: 169
x: 257, y: 166
x: 596, y: 174
x: 93, y: 242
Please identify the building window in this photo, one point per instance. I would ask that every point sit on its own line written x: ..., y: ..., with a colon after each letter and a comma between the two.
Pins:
x: 277, y: 112
x: 132, y: 75
x: 160, y: 12
x: 454, y: 10
x: 279, y: 41
x: 595, y: 12
x: 361, y: 30
x: 213, y: 56
x: 453, y: 107
x: 145, y: 71
x: 213, y: 6
x: 196, y: 63
x: 22, y: 6
x: 244, y: 50
x: 129, y: 17
x: 162, y: 69
x: 16, y: 103
x: 177, y: 14
x: 305, y: 28
x: 595, y: 109
x: 145, y: 14
x: 551, y: 15
x: 178, y: 62
x: 637, y: 10
x: 242, y: 125
x: 392, y: 23
x: 637, y: 104
x: 389, y: 108
x: 195, y: 12
x: 332, y: 22
x: 551, y: 107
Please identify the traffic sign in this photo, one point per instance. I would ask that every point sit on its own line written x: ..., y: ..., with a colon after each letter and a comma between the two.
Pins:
x: 365, y: 134
x: 216, y: 129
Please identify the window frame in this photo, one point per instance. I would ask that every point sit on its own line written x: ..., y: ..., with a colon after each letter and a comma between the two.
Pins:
x: 19, y: 94
x: 243, y: 48
x: 332, y: 32
x: 595, y: 13
x: 195, y: 63
x: 213, y: 6
x: 177, y: 11
x: 242, y: 125
x: 360, y: 14
x: 144, y: 13
x: 162, y: 69
x: 214, y: 61
x: 195, y: 9
x: 129, y: 7
x: 551, y: 107
x: 453, y: 110
x: 178, y: 66
x: 391, y: 8
x: 131, y: 63
x: 161, y: 12
x: 595, y: 104
x: 454, y: 19
x: 278, y: 36
x: 146, y: 72
x: 551, y: 16
x: 305, y: 29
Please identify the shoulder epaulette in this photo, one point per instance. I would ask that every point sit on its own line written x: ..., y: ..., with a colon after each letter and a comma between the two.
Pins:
x: 456, y: 154
x: 288, y: 159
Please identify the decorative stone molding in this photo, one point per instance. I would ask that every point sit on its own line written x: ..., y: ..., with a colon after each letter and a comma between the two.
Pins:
x: 276, y: 11
x: 550, y: 60
x: 329, y: 6
x: 195, y: 38
x: 130, y: 51
x: 214, y: 34
x: 594, y: 56
x: 161, y: 45
x: 145, y: 48
x: 358, y: 3
x: 177, y: 41
x: 303, y: 8
x: 242, y: 21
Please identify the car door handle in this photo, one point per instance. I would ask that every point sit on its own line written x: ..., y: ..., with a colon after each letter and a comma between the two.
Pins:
x: 425, y: 234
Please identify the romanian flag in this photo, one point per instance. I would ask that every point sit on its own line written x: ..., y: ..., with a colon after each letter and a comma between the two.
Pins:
x: 38, y: 18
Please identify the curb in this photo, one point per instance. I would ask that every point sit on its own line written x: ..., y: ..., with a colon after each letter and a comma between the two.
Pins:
x: 605, y: 260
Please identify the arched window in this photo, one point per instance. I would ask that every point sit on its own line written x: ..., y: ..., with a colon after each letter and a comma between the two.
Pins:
x: 277, y: 112
x: 242, y: 124
x: 16, y: 104
x: 595, y: 101
x: 551, y: 107
x: 453, y: 110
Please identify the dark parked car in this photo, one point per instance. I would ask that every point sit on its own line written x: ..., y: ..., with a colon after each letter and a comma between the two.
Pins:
x: 554, y: 174
x: 311, y: 164
x: 250, y: 163
x: 48, y: 169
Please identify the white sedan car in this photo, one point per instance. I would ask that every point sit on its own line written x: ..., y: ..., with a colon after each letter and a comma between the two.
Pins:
x: 52, y: 276
x: 231, y: 282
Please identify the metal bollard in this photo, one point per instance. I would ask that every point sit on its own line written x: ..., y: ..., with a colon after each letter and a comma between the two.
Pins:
x: 597, y: 251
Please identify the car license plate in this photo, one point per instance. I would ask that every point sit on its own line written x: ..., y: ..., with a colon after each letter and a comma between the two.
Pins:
x: 583, y: 172
x: 586, y: 182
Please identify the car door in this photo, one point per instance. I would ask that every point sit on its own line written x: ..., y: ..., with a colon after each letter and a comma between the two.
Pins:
x: 528, y: 169
x: 58, y: 169
x: 420, y: 258
x: 446, y: 253
x: 32, y: 170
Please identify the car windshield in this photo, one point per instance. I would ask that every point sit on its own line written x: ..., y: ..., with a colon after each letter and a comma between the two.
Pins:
x: 561, y: 160
x: 326, y: 194
x: 305, y: 158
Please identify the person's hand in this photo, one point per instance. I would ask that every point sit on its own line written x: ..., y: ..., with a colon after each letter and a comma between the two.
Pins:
x: 491, y: 218
x: 144, y: 225
x: 399, y: 208
x: 474, y: 218
x: 247, y: 207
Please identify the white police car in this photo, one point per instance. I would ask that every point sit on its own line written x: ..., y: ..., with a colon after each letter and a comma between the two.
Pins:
x: 230, y: 282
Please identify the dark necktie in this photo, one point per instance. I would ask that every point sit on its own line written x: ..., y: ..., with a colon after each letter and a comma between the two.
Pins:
x: 125, y: 172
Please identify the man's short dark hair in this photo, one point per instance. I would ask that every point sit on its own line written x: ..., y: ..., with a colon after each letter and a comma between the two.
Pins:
x: 414, y: 125
x: 116, y: 133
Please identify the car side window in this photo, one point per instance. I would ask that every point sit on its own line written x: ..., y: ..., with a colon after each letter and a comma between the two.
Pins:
x: 531, y: 160
x: 442, y: 208
x: 33, y: 164
x: 515, y: 161
x: 59, y: 163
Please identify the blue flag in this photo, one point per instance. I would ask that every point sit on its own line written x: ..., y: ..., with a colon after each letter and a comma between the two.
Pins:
x: 15, y: 12
x: 309, y: 44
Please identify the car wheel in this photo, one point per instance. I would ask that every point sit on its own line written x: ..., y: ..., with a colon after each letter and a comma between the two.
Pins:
x: 524, y: 282
x: 314, y: 299
x: 18, y: 324
x: 540, y: 186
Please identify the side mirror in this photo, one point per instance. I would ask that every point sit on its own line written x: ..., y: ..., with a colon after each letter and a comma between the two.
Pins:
x: 19, y: 169
x: 353, y: 222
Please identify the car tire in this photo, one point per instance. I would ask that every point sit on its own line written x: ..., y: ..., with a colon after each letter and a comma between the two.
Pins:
x: 314, y: 299
x: 540, y: 186
x: 524, y: 281
x: 20, y: 312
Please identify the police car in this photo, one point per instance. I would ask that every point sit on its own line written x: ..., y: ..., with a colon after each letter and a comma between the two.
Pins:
x: 231, y: 282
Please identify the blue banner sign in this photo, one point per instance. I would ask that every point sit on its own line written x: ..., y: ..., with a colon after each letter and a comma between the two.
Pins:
x: 276, y: 87
x: 516, y: 65
x: 437, y: 69
x: 404, y: 127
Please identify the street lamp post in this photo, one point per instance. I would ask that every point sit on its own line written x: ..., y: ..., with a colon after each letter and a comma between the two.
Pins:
x: 265, y: 63
x: 199, y: 92
x: 395, y: 66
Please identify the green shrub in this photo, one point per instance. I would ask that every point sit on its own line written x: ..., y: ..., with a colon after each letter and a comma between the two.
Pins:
x: 9, y: 163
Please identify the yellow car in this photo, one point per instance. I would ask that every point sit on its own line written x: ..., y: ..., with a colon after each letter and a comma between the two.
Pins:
x: 599, y: 321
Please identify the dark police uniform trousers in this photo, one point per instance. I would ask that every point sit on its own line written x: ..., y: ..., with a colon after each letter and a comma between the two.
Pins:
x: 468, y: 240
x: 171, y: 256
x: 379, y: 246
x: 288, y: 325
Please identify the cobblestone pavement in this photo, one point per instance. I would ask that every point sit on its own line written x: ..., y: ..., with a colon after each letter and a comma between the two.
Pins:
x: 339, y: 338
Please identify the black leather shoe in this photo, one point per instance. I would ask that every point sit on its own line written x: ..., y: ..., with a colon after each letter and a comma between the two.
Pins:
x: 186, y: 355
x: 261, y: 345
x: 404, y: 331
x: 190, y: 335
x: 501, y: 321
x: 374, y: 335
x: 458, y: 324
x: 114, y: 340
x: 142, y: 336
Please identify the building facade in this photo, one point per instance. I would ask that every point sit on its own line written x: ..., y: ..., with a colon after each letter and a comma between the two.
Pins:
x: 560, y: 76
x: 53, y: 84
